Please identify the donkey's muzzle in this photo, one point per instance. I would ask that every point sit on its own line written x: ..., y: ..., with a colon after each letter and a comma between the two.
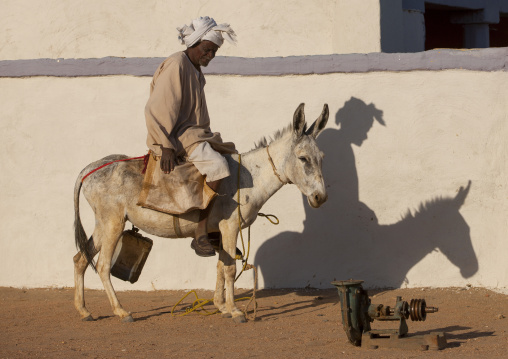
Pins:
x: 317, y: 198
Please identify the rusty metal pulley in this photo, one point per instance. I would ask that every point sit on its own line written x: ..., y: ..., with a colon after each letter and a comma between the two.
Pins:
x: 418, y: 310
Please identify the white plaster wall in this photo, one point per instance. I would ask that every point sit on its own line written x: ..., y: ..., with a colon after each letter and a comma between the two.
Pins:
x: 357, y: 27
x: 129, y: 28
x: 442, y: 130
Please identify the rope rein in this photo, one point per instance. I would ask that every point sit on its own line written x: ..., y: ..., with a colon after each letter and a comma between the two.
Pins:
x: 273, y: 166
x: 199, y: 303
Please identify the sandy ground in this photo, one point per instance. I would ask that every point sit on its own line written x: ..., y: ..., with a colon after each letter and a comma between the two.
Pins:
x: 290, y: 324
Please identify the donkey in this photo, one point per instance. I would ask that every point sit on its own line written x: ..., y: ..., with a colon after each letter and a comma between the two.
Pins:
x: 292, y: 156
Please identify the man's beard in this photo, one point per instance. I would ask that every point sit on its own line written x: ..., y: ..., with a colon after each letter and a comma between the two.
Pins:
x: 204, y: 62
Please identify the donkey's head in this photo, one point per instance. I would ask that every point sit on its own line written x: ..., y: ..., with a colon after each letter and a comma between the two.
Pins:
x: 303, y: 166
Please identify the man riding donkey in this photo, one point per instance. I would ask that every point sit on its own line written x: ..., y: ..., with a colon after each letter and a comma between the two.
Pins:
x: 185, y: 165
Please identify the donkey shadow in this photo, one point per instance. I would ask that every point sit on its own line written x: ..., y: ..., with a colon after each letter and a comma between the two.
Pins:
x: 343, y: 239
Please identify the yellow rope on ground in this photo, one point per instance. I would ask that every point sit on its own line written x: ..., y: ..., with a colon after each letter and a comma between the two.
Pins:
x: 199, y: 303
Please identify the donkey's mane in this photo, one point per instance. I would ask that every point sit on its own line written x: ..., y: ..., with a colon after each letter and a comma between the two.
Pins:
x: 265, y: 142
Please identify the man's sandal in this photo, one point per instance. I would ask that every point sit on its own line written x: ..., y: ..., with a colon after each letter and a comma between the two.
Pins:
x: 202, y: 247
x: 217, y: 245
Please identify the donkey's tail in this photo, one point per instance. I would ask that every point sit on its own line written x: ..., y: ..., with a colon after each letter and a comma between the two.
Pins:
x: 79, y: 232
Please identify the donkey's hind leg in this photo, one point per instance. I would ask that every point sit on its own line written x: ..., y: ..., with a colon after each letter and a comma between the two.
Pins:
x: 80, y: 266
x: 110, y: 234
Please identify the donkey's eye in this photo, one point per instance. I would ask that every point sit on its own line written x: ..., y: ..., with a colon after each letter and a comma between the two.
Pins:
x: 303, y: 159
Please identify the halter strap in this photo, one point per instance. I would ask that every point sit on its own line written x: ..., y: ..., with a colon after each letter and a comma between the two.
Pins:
x: 273, y: 166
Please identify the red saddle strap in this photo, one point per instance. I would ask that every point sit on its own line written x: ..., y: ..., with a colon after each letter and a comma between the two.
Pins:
x: 145, y: 160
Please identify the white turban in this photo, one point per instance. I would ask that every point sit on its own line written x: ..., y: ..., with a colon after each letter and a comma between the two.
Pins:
x: 205, y: 28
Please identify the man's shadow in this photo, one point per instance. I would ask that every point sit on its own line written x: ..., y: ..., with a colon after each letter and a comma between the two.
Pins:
x: 343, y: 239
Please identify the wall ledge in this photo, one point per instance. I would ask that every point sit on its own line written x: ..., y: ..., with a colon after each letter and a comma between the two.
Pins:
x: 491, y: 59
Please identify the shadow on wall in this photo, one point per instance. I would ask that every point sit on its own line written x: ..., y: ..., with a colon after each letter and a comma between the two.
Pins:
x: 343, y: 239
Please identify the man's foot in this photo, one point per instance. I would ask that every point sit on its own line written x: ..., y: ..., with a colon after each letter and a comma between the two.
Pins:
x: 202, y: 247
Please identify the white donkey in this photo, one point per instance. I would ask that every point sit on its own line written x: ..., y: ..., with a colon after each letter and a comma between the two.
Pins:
x: 291, y: 157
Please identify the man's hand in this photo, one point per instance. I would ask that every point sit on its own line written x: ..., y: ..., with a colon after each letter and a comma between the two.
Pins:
x: 168, y: 160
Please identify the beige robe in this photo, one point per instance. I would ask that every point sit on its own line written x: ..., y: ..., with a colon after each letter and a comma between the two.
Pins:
x: 176, y: 113
x: 177, y: 117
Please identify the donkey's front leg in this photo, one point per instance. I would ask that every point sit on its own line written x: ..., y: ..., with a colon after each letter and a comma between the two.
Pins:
x: 218, y: 299
x: 227, y: 256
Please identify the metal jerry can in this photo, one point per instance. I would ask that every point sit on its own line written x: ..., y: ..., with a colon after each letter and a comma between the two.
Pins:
x: 130, y: 255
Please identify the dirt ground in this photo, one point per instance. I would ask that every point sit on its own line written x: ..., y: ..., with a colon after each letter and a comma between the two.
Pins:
x: 302, y: 323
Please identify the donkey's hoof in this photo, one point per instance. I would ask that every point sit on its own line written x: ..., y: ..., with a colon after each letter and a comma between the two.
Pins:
x: 128, y: 319
x: 226, y: 315
x: 87, y: 319
x: 240, y: 319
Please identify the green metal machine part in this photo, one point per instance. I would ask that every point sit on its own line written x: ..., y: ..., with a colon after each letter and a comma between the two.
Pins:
x: 358, y: 312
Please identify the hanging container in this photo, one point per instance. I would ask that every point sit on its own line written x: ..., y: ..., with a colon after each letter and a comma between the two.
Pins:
x: 130, y: 255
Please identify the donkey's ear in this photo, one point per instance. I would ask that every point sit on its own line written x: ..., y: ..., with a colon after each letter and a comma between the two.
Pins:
x: 299, y: 121
x: 320, y: 123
